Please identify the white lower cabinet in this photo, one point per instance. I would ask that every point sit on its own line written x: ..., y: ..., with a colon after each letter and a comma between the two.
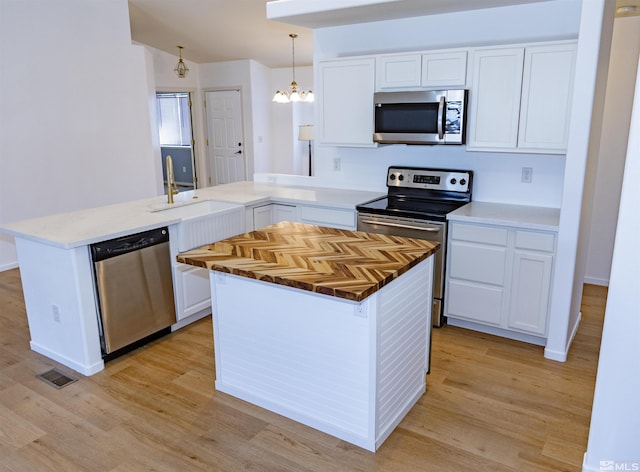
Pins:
x: 499, y: 277
x: 191, y: 284
x: 194, y: 293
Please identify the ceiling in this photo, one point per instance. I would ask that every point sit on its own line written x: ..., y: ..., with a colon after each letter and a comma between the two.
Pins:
x: 218, y: 30
x: 226, y: 30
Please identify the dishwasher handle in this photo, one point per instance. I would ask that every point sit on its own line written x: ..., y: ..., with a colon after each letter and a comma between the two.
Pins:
x: 430, y: 229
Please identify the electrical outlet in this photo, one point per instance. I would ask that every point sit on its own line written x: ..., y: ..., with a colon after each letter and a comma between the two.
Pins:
x: 527, y: 174
x: 337, y: 164
x: 56, y: 313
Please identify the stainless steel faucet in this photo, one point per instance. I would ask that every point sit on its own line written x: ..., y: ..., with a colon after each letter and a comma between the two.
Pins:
x: 172, y: 188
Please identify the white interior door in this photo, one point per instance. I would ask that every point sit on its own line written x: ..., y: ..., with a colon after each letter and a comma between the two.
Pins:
x: 225, y: 140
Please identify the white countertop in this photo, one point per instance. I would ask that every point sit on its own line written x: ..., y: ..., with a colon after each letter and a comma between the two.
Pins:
x: 83, y: 227
x: 519, y: 216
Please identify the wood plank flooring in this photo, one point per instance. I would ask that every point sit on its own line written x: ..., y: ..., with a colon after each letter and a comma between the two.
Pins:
x: 491, y: 405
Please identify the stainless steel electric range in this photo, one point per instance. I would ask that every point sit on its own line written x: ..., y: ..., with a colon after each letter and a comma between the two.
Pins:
x: 416, y: 206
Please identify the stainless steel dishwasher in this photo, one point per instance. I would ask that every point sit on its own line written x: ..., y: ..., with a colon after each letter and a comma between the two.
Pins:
x: 134, y: 290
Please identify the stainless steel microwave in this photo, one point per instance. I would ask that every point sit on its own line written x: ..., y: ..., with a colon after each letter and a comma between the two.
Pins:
x: 420, y: 117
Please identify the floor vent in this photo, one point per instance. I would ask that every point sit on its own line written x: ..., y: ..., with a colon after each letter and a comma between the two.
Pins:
x: 56, y: 378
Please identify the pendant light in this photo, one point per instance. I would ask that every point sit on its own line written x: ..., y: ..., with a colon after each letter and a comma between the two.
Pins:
x: 292, y: 93
x: 181, y: 69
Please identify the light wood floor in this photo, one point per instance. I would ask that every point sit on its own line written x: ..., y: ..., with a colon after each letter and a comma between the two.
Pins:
x: 491, y: 405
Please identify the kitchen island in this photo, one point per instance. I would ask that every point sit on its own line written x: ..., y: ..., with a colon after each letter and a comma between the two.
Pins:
x: 325, y: 326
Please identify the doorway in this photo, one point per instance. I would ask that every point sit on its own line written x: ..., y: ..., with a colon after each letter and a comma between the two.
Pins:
x: 225, y: 151
x: 176, y: 137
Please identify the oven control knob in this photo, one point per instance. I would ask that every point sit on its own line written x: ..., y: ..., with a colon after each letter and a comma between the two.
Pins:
x: 463, y: 182
x: 392, y: 177
x: 401, y: 177
x: 453, y: 181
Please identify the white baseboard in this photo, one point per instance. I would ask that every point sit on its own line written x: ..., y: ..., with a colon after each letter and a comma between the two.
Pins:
x: 561, y: 356
x: 9, y: 266
x: 596, y: 281
x: 190, y: 319
x: 84, y: 369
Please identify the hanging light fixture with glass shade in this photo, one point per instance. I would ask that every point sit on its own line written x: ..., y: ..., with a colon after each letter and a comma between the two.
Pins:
x: 293, y: 93
x: 181, y: 69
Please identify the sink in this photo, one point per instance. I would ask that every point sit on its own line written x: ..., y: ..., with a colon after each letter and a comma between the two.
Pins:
x: 203, y: 221
x: 189, y: 210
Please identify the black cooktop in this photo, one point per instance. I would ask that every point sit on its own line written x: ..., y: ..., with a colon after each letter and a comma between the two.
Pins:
x: 409, y: 207
x: 421, y: 193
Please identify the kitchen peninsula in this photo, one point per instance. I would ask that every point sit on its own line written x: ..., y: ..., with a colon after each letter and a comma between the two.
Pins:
x: 56, y: 268
x: 325, y: 326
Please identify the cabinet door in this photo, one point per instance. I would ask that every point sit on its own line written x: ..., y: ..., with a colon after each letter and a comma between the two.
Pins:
x: 398, y: 71
x: 346, y: 102
x: 547, y: 88
x: 444, y: 69
x: 495, y: 98
x: 193, y: 292
x: 262, y: 216
x: 530, y: 288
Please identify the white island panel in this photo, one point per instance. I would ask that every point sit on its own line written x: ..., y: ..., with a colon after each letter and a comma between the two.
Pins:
x: 352, y: 370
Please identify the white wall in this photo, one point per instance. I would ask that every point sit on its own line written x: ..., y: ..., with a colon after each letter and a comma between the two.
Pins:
x: 613, y: 435
x: 613, y: 146
x: 75, y: 129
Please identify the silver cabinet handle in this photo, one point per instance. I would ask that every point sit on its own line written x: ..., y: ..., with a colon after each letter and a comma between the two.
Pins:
x: 440, y: 117
x: 431, y: 229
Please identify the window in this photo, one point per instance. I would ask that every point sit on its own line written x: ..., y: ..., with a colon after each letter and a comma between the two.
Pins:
x: 174, y: 119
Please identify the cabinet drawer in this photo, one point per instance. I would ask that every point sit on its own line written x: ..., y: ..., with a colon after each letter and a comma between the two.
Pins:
x: 535, y: 241
x: 328, y: 217
x: 485, y: 264
x: 475, y: 302
x: 480, y: 234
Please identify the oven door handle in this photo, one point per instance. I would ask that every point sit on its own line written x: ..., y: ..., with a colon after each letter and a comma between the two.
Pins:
x: 431, y: 229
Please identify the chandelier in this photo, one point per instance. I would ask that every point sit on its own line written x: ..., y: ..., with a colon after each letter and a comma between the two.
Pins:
x: 292, y: 93
x: 181, y: 69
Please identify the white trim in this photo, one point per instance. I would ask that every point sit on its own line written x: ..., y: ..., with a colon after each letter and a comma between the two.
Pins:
x: 9, y: 266
x: 596, y: 281
x: 561, y: 356
x: 86, y: 370
x: 505, y: 333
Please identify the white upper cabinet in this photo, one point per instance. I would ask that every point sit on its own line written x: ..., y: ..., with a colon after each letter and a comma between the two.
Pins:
x: 520, y: 98
x: 444, y: 69
x: 398, y: 71
x: 495, y: 98
x: 547, y: 84
x: 345, y: 106
x: 421, y: 70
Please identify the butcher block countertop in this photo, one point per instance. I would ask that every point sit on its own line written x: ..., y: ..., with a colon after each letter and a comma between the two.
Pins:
x: 336, y: 262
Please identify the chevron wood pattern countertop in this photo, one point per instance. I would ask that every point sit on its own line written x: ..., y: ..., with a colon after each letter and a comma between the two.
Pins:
x: 336, y: 262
